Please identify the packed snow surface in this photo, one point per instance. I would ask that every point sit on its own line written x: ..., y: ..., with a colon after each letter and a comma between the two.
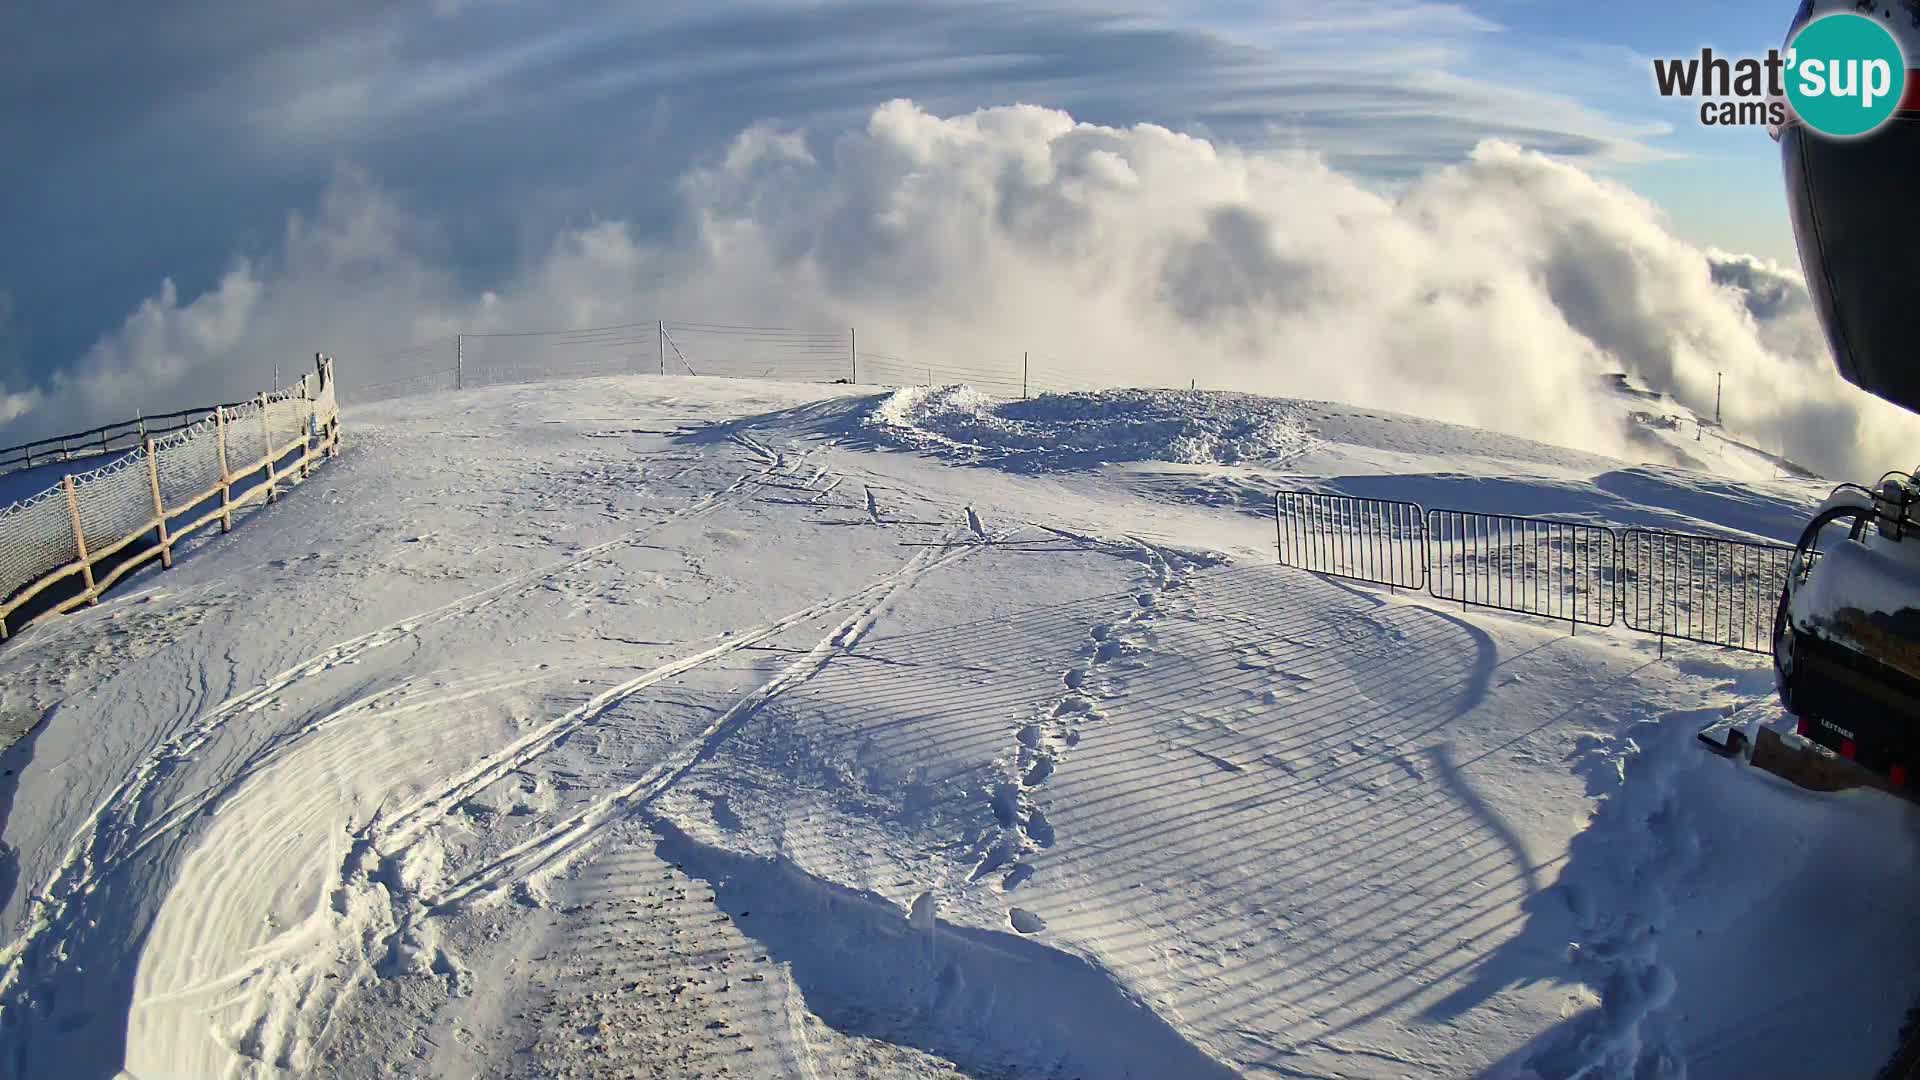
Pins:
x: 694, y: 727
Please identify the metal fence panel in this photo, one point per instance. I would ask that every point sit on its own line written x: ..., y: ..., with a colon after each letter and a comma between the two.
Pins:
x: 1373, y: 540
x: 1562, y: 570
x: 1703, y: 588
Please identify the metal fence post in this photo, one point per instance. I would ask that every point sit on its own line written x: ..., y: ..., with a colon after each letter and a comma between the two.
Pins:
x: 1577, y: 579
x: 660, y: 339
x: 1279, y: 545
x: 459, y: 361
x: 1668, y: 581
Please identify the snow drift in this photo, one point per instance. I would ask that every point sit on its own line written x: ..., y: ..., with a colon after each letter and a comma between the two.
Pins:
x: 1056, y: 431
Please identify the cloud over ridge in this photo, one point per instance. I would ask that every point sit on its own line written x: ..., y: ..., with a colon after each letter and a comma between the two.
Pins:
x: 1494, y: 291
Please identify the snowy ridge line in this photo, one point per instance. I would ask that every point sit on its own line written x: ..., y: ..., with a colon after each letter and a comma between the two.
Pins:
x: 730, y: 349
x: 562, y: 841
x: 94, y: 843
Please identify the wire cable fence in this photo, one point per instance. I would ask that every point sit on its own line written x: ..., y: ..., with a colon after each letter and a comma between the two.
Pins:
x: 64, y: 546
x: 1705, y: 589
x: 736, y: 350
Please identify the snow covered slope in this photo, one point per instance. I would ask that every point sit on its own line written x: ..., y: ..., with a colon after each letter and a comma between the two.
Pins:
x: 691, y: 727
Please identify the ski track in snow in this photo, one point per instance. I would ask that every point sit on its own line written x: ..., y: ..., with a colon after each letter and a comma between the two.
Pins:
x: 547, y: 851
x: 114, y: 829
x: 378, y: 911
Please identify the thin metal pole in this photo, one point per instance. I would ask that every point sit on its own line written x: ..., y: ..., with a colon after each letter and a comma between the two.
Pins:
x: 1023, y: 375
x: 1279, y: 544
x: 660, y: 339
x: 853, y: 354
x: 459, y: 362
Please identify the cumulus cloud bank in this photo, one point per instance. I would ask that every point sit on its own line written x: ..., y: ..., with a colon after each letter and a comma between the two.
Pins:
x: 1492, y: 292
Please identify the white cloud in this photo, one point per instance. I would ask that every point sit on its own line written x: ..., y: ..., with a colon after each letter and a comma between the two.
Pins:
x: 1493, y: 291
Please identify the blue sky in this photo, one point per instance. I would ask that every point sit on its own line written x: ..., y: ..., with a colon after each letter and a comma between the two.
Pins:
x: 147, y: 142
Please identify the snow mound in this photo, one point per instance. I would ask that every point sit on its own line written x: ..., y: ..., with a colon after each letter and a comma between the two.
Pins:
x: 1197, y: 427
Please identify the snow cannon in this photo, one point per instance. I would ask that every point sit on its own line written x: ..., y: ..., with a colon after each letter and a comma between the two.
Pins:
x: 1846, y: 650
x: 1858, y: 245
x: 1847, y: 631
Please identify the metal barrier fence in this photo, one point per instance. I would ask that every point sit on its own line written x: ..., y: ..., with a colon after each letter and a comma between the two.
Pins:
x: 1699, y: 588
x: 1373, y: 540
x: 468, y: 359
x: 1694, y: 588
x: 1560, y: 570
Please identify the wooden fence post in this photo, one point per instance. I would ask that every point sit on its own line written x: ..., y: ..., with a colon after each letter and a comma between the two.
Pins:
x: 226, y: 474
x: 333, y: 422
x: 159, y: 504
x: 266, y: 437
x: 311, y: 426
x: 79, y: 537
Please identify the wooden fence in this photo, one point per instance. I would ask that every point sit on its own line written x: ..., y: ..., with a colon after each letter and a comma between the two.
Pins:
x: 164, y: 488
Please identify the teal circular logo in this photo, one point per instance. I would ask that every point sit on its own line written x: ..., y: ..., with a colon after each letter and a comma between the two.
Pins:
x: 1845, y: 75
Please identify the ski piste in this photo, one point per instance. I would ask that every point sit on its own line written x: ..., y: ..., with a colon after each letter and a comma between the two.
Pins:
x: 626, y: 733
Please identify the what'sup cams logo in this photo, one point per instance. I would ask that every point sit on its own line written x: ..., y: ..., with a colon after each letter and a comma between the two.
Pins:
x: 1842, y: 73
